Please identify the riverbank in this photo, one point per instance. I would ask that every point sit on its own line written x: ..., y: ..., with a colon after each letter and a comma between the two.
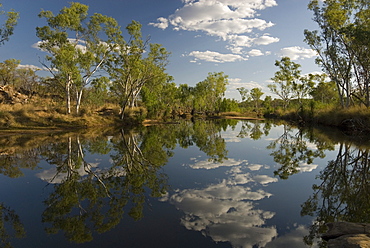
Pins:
x: 27, y: 118
x: 355, y: 120
x: 347, y: 234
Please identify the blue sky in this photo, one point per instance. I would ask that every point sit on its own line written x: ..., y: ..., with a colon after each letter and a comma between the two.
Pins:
x: 242, y: 38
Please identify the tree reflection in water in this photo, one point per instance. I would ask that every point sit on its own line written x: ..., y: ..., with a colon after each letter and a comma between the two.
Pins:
x: 87, y: 199
x: 344, y: 194
x: 9, y: 218
x: 295, y: 149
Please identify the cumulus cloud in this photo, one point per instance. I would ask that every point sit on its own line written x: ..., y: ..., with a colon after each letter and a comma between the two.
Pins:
x: 265, y: 40
x: 226, y: 211
x: 226, y: 214
x: 205, y: 164
x: 216, y: 57
x: 293, y: 239
x: 79, y: 44
x: 255, y: 52
x: 255, y: 167
x: 32, y: 67
x: 304, y: 167
x: 233, y: 21
x: 296, y: 52
x: 162, y: 23
x: 54, y: 176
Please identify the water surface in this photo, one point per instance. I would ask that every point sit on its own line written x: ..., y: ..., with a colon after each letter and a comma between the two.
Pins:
x: 223, y: 183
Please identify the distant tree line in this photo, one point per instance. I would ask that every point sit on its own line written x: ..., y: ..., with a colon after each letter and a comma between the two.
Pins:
x: 92, y: 62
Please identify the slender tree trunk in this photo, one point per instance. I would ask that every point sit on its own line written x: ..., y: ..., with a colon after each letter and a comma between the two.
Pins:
x: 68, y: 94
x: 78, y: 100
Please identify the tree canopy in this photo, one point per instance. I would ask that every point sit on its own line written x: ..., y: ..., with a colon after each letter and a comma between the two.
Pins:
x: 7, y: 28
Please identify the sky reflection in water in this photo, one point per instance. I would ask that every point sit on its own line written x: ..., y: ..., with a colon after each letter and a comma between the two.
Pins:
x: 198, y: 184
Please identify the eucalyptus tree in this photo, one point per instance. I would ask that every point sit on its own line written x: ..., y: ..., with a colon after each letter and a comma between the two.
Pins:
x: 285, y: 79
x: 256, y: 94
x: 209, y: 92
x: 185, y: 94
x: 129, y: 70
x: 325, y: 92
x: 7, y: 28
x: 290, y: 84
x: 77, y: 46
x: 8, y: 71
x: 342, y: 45
x: 160, y: 99
x: 243, y: 93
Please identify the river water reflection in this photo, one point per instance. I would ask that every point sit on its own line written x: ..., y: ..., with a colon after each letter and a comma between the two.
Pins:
x: 222, y: 183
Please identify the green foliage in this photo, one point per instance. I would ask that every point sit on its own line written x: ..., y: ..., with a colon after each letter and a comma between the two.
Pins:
x: 285, y: 79
x: 8, y: 70
x: 343, y: 194
x: 256, y: 94
x: 23, y: 79
x: 326, y: 93
x: 229, y: 105
x: 342, y: 47
x: 209, y: 93
x: 291, y: 151
x: 243, y: 93
x: 131, y: 72
x: 7, y: 29
x: 73, y: 61
x: 9, y: 217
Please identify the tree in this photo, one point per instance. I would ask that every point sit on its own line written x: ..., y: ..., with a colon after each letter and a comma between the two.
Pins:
x: 8, y: 71
x: 186, y: 97
x: 290, y: 82
x: 342, y: 191
x: 342, y: 46
x: 209, y: 93
x: 243, y: 93
x: 256, y: 94
x: 160, y: 100
x: 129, y: 71
x: 325, y: 92
x: 74, y: 61
x: 285, y: 79
x: 7, y: 29
x: 267, y: 104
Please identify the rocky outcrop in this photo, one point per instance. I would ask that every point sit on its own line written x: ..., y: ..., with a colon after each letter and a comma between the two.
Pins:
x: 347, y: 234
x: 9, y: 96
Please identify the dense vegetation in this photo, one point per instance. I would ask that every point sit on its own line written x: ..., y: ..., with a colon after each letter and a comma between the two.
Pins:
x: 98, y: 69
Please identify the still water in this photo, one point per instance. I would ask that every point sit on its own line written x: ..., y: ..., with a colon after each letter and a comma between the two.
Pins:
x: 220, y: 183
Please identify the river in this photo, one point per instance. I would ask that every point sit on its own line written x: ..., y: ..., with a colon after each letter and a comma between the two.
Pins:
x: 220, y: 183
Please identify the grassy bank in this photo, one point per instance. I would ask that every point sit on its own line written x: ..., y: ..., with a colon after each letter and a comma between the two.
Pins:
x: 35, y: 117
x: 354, y: 119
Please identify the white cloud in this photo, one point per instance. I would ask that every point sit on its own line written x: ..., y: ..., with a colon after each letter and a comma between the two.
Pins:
x: 79, y: 44
x: 255, y: 167
x: 32, y: 67
x: 304, y: 167
x: 162, y: 23
x: 296, y: 52
x: 226, y: 211
x: 216, y: 57
x: 291, y: 239
x: 255, y: 52
x: 264, y: 179
x: 234, y: 21
x: 265, y: 40
x: 237, y: 82
x: 226, y: 214
x: 205, y: 164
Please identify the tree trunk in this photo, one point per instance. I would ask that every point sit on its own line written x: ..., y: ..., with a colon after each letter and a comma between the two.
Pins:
x: 78, y: 100
x: 68, y: 94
